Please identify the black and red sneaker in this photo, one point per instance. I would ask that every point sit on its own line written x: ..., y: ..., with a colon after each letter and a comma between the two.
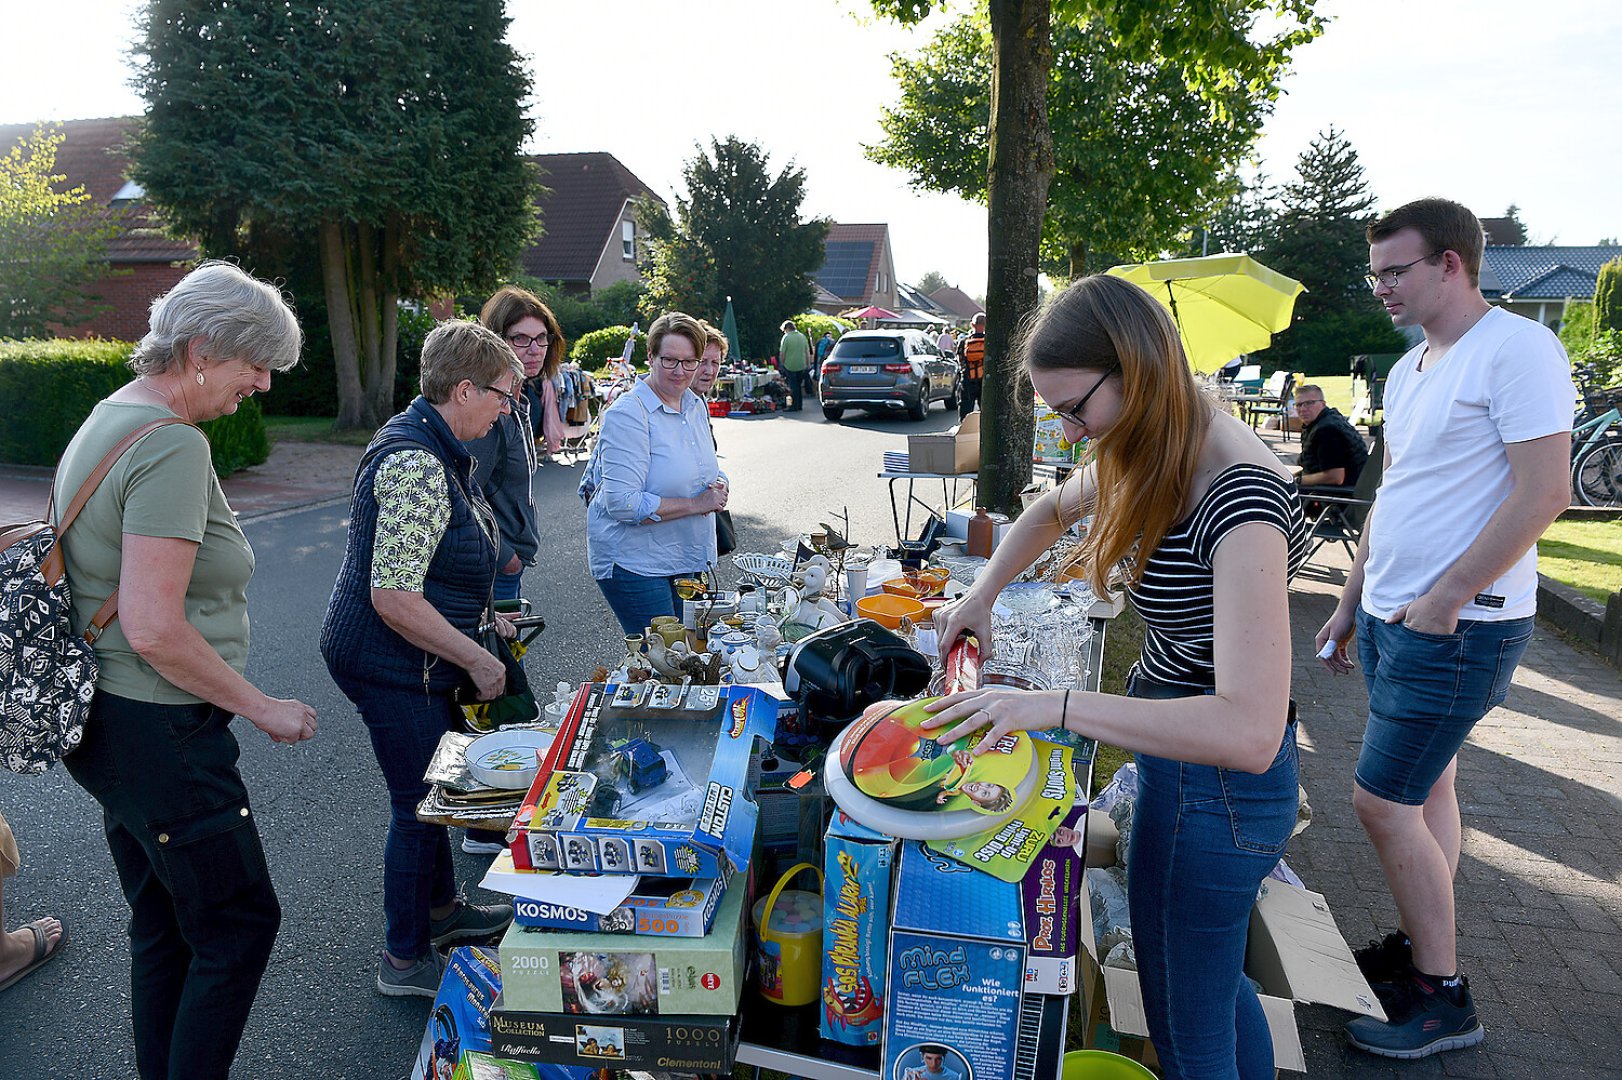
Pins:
x: 1425, y: 1018
x: 1385, y: 963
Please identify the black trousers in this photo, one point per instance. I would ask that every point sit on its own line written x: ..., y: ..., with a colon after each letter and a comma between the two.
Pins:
x: 203, y: 911
x: 799, y: 385
x: 969, y: 397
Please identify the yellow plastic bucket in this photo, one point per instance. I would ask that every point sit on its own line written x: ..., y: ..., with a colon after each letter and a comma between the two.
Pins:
x: 1102, y: 1065
x: 788, y: 941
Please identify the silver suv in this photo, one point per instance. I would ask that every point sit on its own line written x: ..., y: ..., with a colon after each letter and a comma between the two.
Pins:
x: 887, y: 370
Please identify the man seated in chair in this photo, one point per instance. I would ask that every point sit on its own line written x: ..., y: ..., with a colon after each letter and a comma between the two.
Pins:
x: 1332, y: 450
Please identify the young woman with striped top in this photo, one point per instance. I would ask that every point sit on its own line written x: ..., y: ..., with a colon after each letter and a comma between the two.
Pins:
x: 1201, y: 523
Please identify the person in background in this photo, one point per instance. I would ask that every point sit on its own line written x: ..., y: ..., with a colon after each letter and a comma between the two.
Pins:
x: 25, y: 949
x: 158, y: 754
x: 1442, y: 594
x: 653, y: 484
x: 1203, y: 523
x: 971, y: 357
x: 1332, y: 451
x: 793, y: 358
x: 825, y: 345
x: 506, y: 457
x: 399, y: 636
x: 946, y: 344
x: 709, y: 366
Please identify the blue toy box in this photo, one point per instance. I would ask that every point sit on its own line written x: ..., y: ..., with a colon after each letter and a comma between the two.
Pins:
x: 855, y: 900
x: 460, y: 1022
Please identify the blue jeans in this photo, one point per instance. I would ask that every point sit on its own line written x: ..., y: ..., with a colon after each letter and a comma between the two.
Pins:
x: 637, y: 598
x: 203, y: 911
x: 1203, y: 838
x: 509, y: 586
x: 1426, y: 691
x: 406, y: 726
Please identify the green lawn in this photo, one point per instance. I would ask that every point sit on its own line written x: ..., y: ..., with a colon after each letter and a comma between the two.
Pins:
x: 312, y: 429
x: 1587, y: 555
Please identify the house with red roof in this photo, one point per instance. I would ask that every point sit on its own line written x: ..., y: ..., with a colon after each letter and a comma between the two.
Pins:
x: 588, y: 212
x: 143, y: 263
x: 858, y: 270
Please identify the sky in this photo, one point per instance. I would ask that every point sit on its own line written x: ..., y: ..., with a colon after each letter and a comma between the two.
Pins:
x: 1490, y: 102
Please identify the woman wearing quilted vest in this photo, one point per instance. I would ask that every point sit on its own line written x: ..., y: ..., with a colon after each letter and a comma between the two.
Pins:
x: 158, y: 753
x: 399, y: 636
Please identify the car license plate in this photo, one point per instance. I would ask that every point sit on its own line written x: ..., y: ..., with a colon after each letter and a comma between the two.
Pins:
x: 864, y: 369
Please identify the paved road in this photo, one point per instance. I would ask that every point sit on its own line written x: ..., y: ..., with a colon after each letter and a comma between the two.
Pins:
x: 322, y: 806
x: 1540, y: 882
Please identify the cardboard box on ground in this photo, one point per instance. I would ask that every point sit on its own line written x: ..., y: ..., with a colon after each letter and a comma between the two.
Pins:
x: 1296, y: 953
x: 948, y: 452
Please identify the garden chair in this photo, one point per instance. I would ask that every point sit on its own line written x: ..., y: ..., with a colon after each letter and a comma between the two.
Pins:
x: 1345, y: 509
x: 1274, y: 400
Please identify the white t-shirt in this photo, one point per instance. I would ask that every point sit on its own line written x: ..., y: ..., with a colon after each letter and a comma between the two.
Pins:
x: 1507, y: 380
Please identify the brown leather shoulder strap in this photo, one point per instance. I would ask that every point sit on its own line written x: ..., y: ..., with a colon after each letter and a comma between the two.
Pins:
x: 53, y: 562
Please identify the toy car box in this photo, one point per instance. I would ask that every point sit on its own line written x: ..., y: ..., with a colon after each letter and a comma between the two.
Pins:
x: 553, y: 971
x: 460, y: 1022
x: 856, y: 869
x: 660, y: 907
x: 646, y: 779
x: 685, y: 1044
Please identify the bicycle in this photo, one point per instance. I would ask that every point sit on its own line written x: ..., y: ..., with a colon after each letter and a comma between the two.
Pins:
x: 1596, y: 447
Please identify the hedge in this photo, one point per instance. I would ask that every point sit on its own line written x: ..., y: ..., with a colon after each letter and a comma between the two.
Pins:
x: 814, y: 325
x: 48, y: 386
x: 593, y: 351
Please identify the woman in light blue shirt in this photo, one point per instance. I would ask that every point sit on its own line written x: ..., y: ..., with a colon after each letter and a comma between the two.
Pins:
x: 653, y: 485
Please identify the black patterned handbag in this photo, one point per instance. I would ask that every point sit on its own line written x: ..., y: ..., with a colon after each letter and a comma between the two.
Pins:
x: 47, y: 672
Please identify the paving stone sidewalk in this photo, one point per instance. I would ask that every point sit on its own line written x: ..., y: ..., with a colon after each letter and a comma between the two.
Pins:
x: 1540, y: 876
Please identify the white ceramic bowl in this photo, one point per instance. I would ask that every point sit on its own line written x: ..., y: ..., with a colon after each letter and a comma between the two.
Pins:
x: 507, y: 759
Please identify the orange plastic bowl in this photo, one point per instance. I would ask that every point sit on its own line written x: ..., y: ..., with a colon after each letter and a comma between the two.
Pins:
x: 887, y: 609
x: 901, y: 588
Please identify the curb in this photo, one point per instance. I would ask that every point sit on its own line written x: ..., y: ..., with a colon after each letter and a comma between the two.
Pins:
x: 1598, y: 625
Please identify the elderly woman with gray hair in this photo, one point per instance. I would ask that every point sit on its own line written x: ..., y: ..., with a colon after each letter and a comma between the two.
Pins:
x: 158, y: 753
x: 399, y: 638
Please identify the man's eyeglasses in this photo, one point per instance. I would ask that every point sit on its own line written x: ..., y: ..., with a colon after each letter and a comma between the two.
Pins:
x: 511, y: 399
x: 1308, y: 403
x: 524, y: 341
x: 1073, y: 414
x: 1391, y: 276
x: 673, y: 362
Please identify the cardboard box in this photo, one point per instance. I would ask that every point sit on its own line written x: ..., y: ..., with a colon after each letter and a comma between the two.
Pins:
x: 590, y: 811
x: 949, y: 452
x: 857, y: 862
x: 660, y: 907
x: 553, y: 971
x: 460, y: 1022
x: 1295, y: 952
x: 664, y: 1043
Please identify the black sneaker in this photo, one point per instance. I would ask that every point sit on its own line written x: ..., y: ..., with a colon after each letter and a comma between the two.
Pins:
x: 470, y: 922
x: 1385, y: 963
x: 1424, y: 1020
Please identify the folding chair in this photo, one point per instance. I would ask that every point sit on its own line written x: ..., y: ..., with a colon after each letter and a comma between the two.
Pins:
x: 1346, y: 509
x: 1274, y: 401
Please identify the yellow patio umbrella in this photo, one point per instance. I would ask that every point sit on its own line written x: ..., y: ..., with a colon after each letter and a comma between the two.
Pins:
x: 1223, y: 305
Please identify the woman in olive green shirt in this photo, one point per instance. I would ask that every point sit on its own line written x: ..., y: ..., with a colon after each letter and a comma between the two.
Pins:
x: 158, y: 753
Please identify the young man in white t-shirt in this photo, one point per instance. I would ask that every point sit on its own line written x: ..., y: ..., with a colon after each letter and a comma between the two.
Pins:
x: 1443, y: 591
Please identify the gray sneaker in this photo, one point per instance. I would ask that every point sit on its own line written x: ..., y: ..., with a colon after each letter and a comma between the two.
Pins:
x: 419, y: 980
x: 470, y: 922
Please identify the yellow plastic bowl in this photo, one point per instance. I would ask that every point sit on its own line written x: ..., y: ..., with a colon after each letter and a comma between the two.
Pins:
x: 887, y: 609
x: 1102, y: 1065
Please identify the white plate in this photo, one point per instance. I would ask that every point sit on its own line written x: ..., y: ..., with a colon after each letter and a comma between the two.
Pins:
x: 507, y: 759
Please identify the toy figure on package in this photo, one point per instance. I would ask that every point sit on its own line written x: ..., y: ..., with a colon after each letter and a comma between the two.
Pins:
x: 617, y: 983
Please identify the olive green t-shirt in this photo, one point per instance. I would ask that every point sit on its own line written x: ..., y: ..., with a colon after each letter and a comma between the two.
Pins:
x: 165, y: 487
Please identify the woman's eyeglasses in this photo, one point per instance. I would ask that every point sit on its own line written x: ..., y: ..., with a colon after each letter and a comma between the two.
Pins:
x: 524, y: 341
x: 673, y: 362
x: 1073, y: 414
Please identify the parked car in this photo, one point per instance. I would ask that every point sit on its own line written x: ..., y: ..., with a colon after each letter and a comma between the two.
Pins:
x: 881, y: 370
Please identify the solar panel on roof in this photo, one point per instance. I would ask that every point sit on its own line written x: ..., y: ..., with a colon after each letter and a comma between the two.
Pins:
x: 844, y: 269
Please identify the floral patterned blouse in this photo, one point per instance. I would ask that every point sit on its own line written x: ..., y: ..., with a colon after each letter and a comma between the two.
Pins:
x: 413, y: 509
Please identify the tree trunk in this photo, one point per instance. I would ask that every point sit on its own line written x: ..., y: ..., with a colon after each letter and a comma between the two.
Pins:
x: 1017, y: 190
x: 352, y: 406
x: 388, y: 347
x: 1078, y: 260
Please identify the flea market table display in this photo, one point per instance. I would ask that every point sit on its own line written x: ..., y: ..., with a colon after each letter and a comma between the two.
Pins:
x: 648, y: 934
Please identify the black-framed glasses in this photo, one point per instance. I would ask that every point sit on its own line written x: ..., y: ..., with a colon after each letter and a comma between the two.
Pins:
x: 1391, y: 276
x: 512, y: 399
x: 1299, y: 404
x: 1073, y: 414
x: 524, y: 341
x: 673, y: 362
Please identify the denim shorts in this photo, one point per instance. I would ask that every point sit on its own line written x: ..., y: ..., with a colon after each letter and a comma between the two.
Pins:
x: 1426, y: 691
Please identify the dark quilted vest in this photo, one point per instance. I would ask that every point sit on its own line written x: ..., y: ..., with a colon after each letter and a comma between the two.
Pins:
x: 355, y: 641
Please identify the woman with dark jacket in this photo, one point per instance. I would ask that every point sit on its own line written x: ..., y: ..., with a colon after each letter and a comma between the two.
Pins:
x: 399, y: 635
x: 158, y: 753
x: 507, y: 456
